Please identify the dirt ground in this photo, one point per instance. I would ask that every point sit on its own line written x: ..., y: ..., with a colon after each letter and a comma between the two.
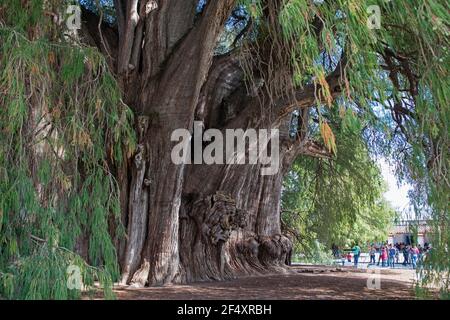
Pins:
x: 302, y: 282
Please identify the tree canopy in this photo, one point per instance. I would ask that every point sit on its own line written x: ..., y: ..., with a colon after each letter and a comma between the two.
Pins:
x: 337, y: 201
x: 372, y: 76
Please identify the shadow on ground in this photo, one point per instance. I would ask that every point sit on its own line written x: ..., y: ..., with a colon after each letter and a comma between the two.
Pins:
x: 300, y: 283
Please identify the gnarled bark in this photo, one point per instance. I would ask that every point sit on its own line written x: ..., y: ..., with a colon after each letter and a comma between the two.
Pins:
x: 195, y: 222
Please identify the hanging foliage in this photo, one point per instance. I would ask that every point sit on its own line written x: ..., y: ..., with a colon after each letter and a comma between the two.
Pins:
x: 64, y: 130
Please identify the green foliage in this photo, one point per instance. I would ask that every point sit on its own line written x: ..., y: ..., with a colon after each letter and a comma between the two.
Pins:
x: 317, y: 254
x: 64, y: 130
x: 423, y: 36
x: 336, y: 201
x: 404, y: 109
x: 46, y: 274
x: 24, y: 18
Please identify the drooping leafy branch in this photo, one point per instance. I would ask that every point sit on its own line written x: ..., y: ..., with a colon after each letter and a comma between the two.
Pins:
x: 64, y: 131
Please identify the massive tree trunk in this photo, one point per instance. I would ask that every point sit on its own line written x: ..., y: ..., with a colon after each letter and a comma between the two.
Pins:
x: 193, y: 222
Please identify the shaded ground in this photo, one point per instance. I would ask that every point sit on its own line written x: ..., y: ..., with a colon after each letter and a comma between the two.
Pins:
x: 304, y: 282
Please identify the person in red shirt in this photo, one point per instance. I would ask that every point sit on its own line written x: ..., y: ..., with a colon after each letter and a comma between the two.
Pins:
x: 384, y: 256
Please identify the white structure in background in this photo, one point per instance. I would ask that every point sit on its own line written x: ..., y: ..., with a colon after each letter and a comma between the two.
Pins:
x: 405, y: 231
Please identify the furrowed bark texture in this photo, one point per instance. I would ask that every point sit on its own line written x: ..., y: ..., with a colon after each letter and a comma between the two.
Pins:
x: 193, y: 222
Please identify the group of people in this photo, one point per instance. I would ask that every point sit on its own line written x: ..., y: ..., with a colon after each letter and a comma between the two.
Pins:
x: 388, y: 254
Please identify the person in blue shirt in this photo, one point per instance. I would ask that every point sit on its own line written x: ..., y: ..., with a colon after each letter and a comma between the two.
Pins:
x: 392, y: 252
x: 356, y: 252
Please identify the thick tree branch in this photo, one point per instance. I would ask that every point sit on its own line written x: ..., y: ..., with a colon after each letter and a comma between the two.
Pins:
x: 314, y: 149
x: 307, y: 96
x: 164, y: 29
x: 224, y: 77
x: 120, y: 16
x: 127, y: 40
x: 100, y: 34
x: 189, y: 64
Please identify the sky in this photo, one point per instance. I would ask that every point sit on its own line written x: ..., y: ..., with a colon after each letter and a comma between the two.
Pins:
x: 397, y: 194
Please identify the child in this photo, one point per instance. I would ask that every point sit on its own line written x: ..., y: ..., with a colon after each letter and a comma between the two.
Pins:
x: 343, y: 257
x: 349, y: 257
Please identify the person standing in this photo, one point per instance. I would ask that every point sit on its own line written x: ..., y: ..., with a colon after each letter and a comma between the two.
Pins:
x: 356, y: 252
x: 384, y: 256
x: 343, y: 257
x: 392, y: 253
x: 420, y: 248
x: 379, y: 250
x: 405, y: 255
x: 372, y: 255
x: 414, y: 254
x: 334, y: 250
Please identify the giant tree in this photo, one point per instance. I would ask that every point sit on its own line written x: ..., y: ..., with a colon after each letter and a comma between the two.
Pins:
x: 260, y: 64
